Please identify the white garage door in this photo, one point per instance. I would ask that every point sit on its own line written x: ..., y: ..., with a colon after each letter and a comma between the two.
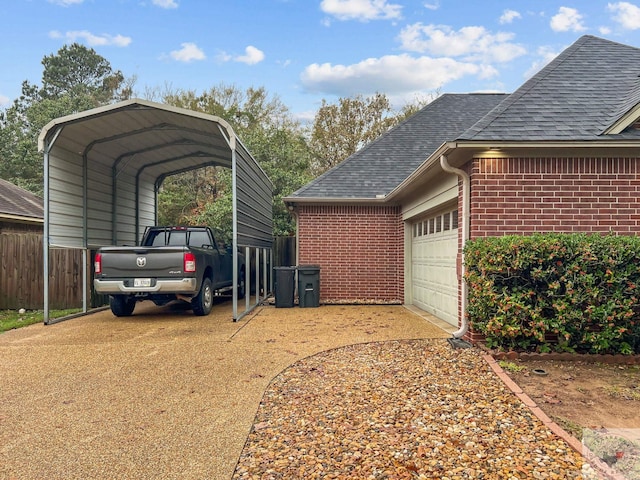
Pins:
x: 434, y: 248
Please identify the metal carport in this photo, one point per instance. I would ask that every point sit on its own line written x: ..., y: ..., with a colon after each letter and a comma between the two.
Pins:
x: 103, y: 168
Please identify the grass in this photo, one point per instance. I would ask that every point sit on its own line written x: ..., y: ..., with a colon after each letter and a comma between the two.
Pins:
x: 572, y: 428
x: 11, y: 319
x: 510, y: 366
x: 627, y: 393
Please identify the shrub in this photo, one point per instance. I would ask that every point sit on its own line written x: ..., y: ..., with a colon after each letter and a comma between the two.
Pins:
x: 562, y: 292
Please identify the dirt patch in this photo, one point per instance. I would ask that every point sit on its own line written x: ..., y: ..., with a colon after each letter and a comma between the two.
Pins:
x: 598, y: 404
x: 580, y: 394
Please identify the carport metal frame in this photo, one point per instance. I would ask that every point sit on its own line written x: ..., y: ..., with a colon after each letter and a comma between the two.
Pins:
x: 103, y: 169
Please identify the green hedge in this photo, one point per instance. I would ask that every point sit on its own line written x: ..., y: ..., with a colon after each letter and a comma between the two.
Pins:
x: 556, y: 292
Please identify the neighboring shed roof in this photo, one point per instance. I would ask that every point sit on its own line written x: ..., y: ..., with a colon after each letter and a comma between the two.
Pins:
x: 384, y: 163
x: 17, y: 203
x: 579, y: 95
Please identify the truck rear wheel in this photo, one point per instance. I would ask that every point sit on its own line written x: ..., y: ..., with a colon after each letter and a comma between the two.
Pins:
x: 203, y: 302
x: 122, y: 305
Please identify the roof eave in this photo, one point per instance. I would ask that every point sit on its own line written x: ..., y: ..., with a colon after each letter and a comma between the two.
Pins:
x: 624, y: 121
x: 21, y: 219
x: 497, y: 148
x: 430, y: 161
x: 293, y: 201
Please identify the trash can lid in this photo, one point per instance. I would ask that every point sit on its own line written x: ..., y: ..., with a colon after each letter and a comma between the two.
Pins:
x: 308, y: 267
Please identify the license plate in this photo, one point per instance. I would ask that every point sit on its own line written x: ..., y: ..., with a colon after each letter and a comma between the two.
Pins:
x: 141, y: 282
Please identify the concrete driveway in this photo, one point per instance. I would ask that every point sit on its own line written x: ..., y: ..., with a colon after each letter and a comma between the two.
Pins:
x: 161, y: 394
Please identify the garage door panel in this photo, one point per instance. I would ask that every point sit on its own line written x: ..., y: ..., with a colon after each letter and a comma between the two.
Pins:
x: 434, y: 278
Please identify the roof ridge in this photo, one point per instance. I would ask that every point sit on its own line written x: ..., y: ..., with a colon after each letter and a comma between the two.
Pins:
x: 529, y: 85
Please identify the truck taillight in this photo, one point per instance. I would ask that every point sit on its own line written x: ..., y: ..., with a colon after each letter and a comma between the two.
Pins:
x: 97, y: 263
x: 189, y: 262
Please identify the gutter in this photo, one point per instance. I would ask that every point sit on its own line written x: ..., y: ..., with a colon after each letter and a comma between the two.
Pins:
x: 466, y: 200
x: 292, y: 201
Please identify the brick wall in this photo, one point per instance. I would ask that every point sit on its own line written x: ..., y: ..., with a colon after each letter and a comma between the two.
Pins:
x: 359, y: 250
x: 526, y: 195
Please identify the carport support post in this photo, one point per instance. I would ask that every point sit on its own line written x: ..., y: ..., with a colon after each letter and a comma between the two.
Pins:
x: 234, y: 241
x: 257, y: 275
x: 45, y: 238
x: 264, y: 271
x: 247, y: 278
x: 45, y: 230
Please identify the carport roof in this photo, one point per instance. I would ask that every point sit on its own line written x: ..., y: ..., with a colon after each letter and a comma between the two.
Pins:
x: 161, y: 139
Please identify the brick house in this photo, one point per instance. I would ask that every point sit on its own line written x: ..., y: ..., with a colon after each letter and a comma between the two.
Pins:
x: 560, y: 154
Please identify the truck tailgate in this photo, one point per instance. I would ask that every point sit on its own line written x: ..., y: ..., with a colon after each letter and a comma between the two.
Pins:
x: 130, y: 262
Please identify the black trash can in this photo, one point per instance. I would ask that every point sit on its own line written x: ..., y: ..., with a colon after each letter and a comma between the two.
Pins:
x: 309, y: 286
x: 284, y: 286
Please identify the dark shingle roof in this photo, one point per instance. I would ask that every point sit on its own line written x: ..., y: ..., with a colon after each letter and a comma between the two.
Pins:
x: 19, y: 202
x: 577, y: 96
x: 383, y: 164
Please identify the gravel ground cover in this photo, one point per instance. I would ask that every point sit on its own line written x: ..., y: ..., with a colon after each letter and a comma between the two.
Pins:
x: 400, y: 409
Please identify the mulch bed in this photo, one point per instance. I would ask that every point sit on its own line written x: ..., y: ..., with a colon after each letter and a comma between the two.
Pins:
x: 400, y: 410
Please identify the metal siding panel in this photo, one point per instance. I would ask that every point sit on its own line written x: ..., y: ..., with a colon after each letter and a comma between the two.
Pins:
x: 254, y: 202
x: 146, y: 203
x: 99, y: 203
x: 125, y: 210
x: 66, y: 193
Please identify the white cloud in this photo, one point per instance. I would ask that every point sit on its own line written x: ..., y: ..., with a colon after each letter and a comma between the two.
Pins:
x: 392, y: 74
x: 546, y: 55
x: 604, y: 30
x: 470, y: 43
x: 65, y: 3
x: 432, y: 6
x: 165, y: 3
x: 4, y: 101
x: 626, y: 14
x: 91, y: 39
x: 567, y: 20
x: 363, y: 10
x: 508, y: 16
x: 251, y: 57
x: 188, y: 53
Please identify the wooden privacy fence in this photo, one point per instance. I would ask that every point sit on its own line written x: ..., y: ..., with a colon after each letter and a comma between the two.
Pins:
x: 284, y: 251
x: 21, y: 274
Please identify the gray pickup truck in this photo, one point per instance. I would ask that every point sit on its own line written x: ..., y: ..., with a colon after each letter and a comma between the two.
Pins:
x: 172, y: 263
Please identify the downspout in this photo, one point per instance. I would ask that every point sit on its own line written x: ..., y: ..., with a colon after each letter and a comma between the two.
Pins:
x: 466, y: 199
x: 295, y: 215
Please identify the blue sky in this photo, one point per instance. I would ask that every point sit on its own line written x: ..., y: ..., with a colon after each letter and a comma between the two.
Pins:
x: 304, y: 51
